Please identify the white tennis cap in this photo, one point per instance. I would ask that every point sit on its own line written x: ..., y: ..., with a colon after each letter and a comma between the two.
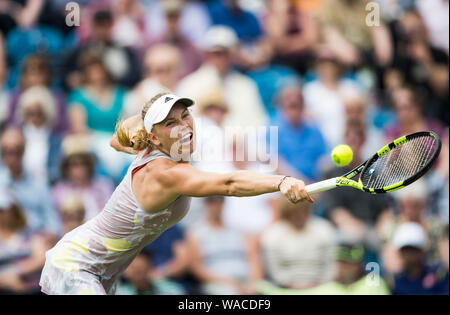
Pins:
x: 409, y: 234
x: 159, y: 110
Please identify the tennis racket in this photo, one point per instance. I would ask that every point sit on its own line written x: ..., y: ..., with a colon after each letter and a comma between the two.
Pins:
x: 395, y: 166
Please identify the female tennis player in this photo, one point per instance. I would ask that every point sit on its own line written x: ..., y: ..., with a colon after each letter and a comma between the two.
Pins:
x: 154, y: 195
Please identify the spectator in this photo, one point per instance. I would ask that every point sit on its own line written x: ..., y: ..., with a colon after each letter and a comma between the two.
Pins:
x: 250, y: 215
x: 36, y: 72
x: 254, y: 48
x: 443, y: 248
x: 416, y: 276
x: 15, y: 14
x: 190, y: 55
x: 359, y: 110
x: 224, y: 260
x: 4, y: 93
x: 300, y: 142
x: 170, y: 258
x: 240, y: 93
x: 435, y: 16
x: 299, y: 248
x: 409, y: 108
x: 292, y: 33
x: 128, y: 29
x: 138, y: 282
x: 438, y: 183
x: 121, y: 62
x: 392, y: 10
x: 73, y: 213
x: 350, y: 37
x: 22, y: 253
x: 162, y: 65
x: 350, y: 278
x: 421, y: 65
x: 96, y: 105
x: 32, y: 195
x: 79, y: 178
x: 94, y: 109
x: 353, y: 213
x: 194, y: 18
x: 324, y: 97
x: 37, y: 115
x: 412, y: 201
x: 229, y: 13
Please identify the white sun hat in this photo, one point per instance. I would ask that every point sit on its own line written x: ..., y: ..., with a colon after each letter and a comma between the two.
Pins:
x: 220, y: 37
x: 159, y: 110
x: 409, y: 234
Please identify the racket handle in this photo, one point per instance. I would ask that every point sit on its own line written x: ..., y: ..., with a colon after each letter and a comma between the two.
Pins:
x: 321, y: 186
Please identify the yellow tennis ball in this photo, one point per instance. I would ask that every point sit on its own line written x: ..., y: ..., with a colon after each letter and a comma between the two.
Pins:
x: 342, y: 155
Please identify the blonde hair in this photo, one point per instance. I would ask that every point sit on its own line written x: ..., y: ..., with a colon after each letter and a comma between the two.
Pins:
x: 72, y: 207
x: 41, y: 95
x: 136, y: 138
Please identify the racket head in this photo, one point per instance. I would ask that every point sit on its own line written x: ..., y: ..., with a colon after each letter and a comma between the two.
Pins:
x: 400, y: 163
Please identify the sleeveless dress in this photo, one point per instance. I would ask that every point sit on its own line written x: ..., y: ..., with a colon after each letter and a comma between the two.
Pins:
x: 90, y: 258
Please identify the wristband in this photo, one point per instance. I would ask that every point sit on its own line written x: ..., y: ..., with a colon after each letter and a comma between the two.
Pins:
x: 281, y: 181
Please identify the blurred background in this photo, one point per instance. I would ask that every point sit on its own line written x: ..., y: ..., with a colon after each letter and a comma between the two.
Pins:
x: 324, y: 72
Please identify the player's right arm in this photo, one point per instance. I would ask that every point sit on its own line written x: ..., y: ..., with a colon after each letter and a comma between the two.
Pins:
x: 183, y: 179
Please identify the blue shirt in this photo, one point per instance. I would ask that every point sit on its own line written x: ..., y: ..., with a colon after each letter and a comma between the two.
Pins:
x: 433, y: 280
x: 161, y: 249
x: 301, y: 146
x: 35, y: 200
x: 98, y: 118
x: 244, y: 23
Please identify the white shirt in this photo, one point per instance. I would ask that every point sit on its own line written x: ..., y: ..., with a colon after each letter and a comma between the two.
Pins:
x: 250, y: 214
x: 326, y: 108
x: 36, y: 152
x: 300, y: 257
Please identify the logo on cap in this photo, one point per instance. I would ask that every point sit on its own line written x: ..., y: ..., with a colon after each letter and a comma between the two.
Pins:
x: 168, y: 99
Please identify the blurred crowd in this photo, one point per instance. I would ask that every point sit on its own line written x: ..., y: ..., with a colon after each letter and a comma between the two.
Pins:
x: 324, y: 72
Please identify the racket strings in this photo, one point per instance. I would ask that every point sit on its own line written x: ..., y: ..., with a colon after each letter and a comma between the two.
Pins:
x: 400, y: 163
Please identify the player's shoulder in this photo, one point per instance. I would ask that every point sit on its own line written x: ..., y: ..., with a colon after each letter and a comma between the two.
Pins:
x: 166, y: 170
x: 159, y: 166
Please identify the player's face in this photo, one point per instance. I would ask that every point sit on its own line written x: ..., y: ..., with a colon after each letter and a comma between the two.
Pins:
x: 175, y: 135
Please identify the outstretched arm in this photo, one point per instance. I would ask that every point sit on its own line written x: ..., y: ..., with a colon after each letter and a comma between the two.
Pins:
x: 183, y: 179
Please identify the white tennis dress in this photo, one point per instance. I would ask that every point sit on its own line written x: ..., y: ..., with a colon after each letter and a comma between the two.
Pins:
x: 89, y: 259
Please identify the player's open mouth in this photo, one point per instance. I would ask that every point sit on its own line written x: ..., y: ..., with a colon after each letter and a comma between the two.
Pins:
x: 187, y: 138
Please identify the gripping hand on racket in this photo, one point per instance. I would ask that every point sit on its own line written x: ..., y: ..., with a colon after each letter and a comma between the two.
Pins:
x: 294, y: 190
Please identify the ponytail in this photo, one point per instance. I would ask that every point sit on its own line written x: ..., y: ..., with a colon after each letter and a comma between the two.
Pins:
x: 136, y: 139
